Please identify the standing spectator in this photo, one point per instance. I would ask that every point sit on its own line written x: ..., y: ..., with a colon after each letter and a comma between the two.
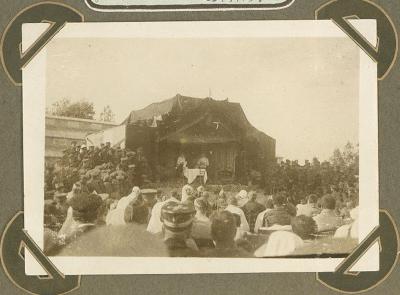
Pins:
x: 181, y: 164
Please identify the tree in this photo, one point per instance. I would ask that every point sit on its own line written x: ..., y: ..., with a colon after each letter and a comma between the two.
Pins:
x: 107, y: 115
x: 81, y: 109
x: 337, y: 158
x: 346, y: 158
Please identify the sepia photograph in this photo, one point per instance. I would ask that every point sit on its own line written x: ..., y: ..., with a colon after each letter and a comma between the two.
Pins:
x: 198, y: 147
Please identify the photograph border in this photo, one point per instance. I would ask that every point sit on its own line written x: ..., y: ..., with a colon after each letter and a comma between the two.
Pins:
x: 33, y: 123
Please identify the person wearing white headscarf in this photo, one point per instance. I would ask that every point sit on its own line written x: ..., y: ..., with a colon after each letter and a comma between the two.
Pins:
x: 116, y: 216
x: 187, y: 192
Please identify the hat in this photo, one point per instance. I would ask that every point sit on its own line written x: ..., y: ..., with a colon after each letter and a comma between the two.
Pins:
x: 132, y: 166
x: 125, y: 159
x: 177, y: 216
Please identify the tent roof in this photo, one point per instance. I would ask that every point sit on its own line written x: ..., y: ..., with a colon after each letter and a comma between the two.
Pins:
x: 186, y: 107
x: 178, y: 102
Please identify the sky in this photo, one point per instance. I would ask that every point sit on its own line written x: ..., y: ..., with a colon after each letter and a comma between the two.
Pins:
x: 301, y: 91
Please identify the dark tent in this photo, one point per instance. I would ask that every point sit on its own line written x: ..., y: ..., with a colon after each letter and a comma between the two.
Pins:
x: 193, y: 126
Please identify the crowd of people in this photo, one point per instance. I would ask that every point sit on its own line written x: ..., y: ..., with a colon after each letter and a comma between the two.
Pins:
x: 196, y: 222
x: 314, y: 177
x: 97, y: 190
x: 104, y: 169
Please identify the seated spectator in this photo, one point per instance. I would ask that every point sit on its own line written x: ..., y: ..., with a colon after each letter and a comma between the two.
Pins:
x: 349, y: 230
x: 155, y: 225
x: 242, y: 198
x: 223, y: 232
x: 201, y: 228
x: 283, y: 243
x: 251, y: 209
x: 136, y: 212
x: 344, y: 211
x: 290, y: 208
x: 61, y: 205
x: 327, y: 220
x: 279, y: 214
x: 208, y: 207
x: 260, y: 217
x: 242, y: 223
x: 199, y: 191
x: 187, y: 192
x: 220, y: 203
x: 85, y: 211
x: 177, y: 221
x: 116, y: 216
x: 310, y: 208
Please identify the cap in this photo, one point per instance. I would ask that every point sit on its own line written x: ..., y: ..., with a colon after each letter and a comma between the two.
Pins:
x: 132, y: 166
x: 177, y: 216
x: 95, y: 172
x: 59, y: 185
x: 148, y: 191
x: 60, y: 196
